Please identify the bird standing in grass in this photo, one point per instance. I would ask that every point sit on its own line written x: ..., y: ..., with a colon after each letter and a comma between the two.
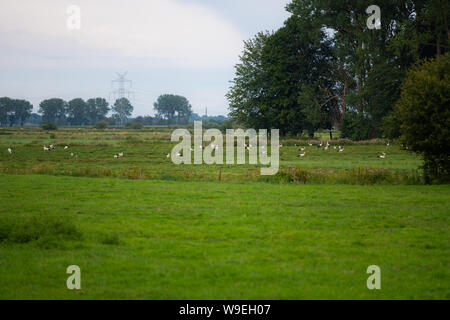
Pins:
x: 9, y: 150
x: 382, y: 156
x: 66, y: 147
x: 46, y: 149
x: 301, y: 155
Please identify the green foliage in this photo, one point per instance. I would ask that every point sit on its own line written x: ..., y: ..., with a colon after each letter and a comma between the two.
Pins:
x: 227, y: 124
x: 391, y: 125
x: 101, y: 125
x: 97, y: 109
x: 356, y: 127
x: 247, y: 94
x: 301, y: 78
x: 53, y: 110
x: 122, y: 108
x: 282, y: 79
x: 5, y: 105
x: 134, y: 125
x: 424, y: 112
x: 173, y: 108
x: 358, y: 176
x: 380, y: 93
x: 49, y: 126
x: 14, y: 111
x: 77, y: 110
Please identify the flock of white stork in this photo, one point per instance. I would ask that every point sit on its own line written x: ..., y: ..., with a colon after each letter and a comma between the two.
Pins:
x: 52, y: 147
x: 319, y: 146
x: 339, y: 149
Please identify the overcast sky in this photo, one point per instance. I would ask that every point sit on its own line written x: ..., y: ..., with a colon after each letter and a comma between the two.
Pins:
x: 186, y: 47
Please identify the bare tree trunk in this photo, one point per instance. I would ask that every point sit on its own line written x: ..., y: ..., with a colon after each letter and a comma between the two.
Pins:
x: 359, y: 91
x: 344, y: 106
x: 438, y: 45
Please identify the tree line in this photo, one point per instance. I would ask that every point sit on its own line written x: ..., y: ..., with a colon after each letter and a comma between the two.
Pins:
x: 170, y: 109
x: 325, y: 68
x: 14, y: 111
x: 78, y: 112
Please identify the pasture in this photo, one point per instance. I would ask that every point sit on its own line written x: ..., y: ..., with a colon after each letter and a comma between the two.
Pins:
x: 145, y: 156
x: 141, y: 227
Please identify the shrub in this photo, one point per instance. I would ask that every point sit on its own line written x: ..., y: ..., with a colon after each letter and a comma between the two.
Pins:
x: 357, y: 176
x: 424, y: 114
x: 49, y: 126
x: 134, y: 125
x: 101, y: 125
x: 391, y: 125
x: 356, y: 127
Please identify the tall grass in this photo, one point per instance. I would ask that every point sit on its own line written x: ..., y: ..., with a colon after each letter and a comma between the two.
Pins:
x: 23, y: 229
x: 357, y: 176
x: 334, y: 142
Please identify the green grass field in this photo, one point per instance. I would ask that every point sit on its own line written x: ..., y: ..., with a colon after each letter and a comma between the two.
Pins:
x: 144, y: 228
x: 145, y: 156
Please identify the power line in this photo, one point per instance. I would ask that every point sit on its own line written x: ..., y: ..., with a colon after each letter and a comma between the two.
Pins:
x: 121, y: 91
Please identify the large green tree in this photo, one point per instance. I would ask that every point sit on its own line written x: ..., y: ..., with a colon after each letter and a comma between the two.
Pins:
x: 249, y: 91
x: 22, y: 111
x: 284, y: 79
x: 5, y: 107
x: 97, y: 109
x: 424, y: 114
x: 288, y: 79
x: 367, y: 72
x: 53, y: 110
x: 173, y: 108
x: 122, y: 109
x: 14, y: 111
x: 77, y: 110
